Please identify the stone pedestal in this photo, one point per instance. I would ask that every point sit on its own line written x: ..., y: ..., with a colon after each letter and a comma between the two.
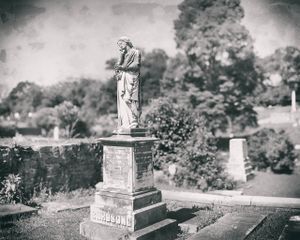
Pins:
x: 239, y: 166
x: 127, y: 205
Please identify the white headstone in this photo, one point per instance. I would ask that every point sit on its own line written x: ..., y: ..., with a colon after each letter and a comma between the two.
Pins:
x: 56, y: 133
x: 239, y: 166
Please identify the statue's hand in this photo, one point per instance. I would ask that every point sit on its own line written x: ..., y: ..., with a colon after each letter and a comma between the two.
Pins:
x: 119, y: 67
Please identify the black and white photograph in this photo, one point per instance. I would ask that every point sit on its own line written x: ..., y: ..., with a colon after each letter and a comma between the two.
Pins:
x: 149, y: 119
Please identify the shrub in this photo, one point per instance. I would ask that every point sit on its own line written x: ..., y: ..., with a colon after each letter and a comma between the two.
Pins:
x: 7, y: 131
x: 10, y: 191
x: 198, y: 166
x: 172, y: 124
x: 69, y: 121
x: 185, y: 143
x: 45, y: 118
x: 66, y: 115
x: 268, y: 148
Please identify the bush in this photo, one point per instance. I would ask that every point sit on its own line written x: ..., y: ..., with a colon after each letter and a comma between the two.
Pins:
x: 185, y: 143
x: 45, y: 118
x: 172, y: 124
x: 268, y: 148
x: 198, y: 166
x: 7, y: 131
x: 10, y: 191
x: 66, y: 115
x: 69, y: 121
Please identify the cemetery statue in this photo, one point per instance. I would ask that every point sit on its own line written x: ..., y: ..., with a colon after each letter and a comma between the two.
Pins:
x: 128, y: 85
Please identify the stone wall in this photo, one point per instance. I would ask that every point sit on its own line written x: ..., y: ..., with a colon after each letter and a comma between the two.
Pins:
x: 55, y: 166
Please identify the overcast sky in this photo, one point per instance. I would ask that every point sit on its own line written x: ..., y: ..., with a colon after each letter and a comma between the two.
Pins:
x: 49, y: 41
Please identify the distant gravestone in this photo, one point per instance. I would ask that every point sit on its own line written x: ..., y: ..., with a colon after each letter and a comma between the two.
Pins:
x: 239, y: 166
x: 56, y: 133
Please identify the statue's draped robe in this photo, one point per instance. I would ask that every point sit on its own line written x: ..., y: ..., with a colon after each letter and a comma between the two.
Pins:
x: 128, y: 89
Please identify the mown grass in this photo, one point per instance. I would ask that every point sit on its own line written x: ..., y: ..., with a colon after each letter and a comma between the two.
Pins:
x: 65, y: 225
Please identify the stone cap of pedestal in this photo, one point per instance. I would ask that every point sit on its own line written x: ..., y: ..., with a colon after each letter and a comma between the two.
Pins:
x: 125, y: 140
x: 134, y: 132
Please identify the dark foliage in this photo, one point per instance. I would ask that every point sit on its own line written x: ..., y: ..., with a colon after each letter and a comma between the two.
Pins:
x: 268, y: 148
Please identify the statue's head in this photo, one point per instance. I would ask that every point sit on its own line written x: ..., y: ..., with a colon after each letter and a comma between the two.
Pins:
x: 123, y: 42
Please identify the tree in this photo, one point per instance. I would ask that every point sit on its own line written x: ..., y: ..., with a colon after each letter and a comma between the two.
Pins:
x: 4, y: 108
x: 101, y: 98
x: 220, y: 58
x: 286, y: 63
x: 25, y: 97
x: 153, y: 67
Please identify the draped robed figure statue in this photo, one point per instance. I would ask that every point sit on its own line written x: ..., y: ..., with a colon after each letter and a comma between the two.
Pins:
x: 128, y: 85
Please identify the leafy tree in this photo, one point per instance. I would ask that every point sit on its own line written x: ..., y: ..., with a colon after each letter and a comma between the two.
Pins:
x: 100, y: 98
x: 4, y: 108
x: 153, y: 67
x: 268, y: 95
x: 286, y: 63
x: 55, y: 94
x: 25, y: 97
x: 79, y: 90
x: 220, y: 59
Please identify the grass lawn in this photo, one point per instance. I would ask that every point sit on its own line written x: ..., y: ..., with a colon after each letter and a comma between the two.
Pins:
x: 273, y: 185
x: 65, y: 225
x: 279, y: 118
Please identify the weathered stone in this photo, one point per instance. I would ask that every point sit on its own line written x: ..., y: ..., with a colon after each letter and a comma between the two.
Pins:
x: 128, y: 166
x: 127, y: 200
x: 56, y: 166
x: 239, y: 166
x: 191, y: 220
x: 293, y: 229
x: 11, y: 212
x: 233, y: 226
x: 131, y: 220
x: 163, y: 230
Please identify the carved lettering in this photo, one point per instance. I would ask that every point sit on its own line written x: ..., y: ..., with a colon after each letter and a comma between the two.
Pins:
x: 112, y: 218
x: 123, y: 220
x: 118, y: 219
x: 106, y: 217
x: 116, y: 166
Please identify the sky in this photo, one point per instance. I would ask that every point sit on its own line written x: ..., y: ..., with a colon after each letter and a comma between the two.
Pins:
x: 50, y: 41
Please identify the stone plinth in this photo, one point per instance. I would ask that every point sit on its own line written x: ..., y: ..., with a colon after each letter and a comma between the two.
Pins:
x: 239, y: 166
x: 127, y: 201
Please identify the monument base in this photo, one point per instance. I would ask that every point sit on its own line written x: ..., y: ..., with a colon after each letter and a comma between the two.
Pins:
x: 240, y: 171
x: 163, y: 230
x: 127, y: 205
